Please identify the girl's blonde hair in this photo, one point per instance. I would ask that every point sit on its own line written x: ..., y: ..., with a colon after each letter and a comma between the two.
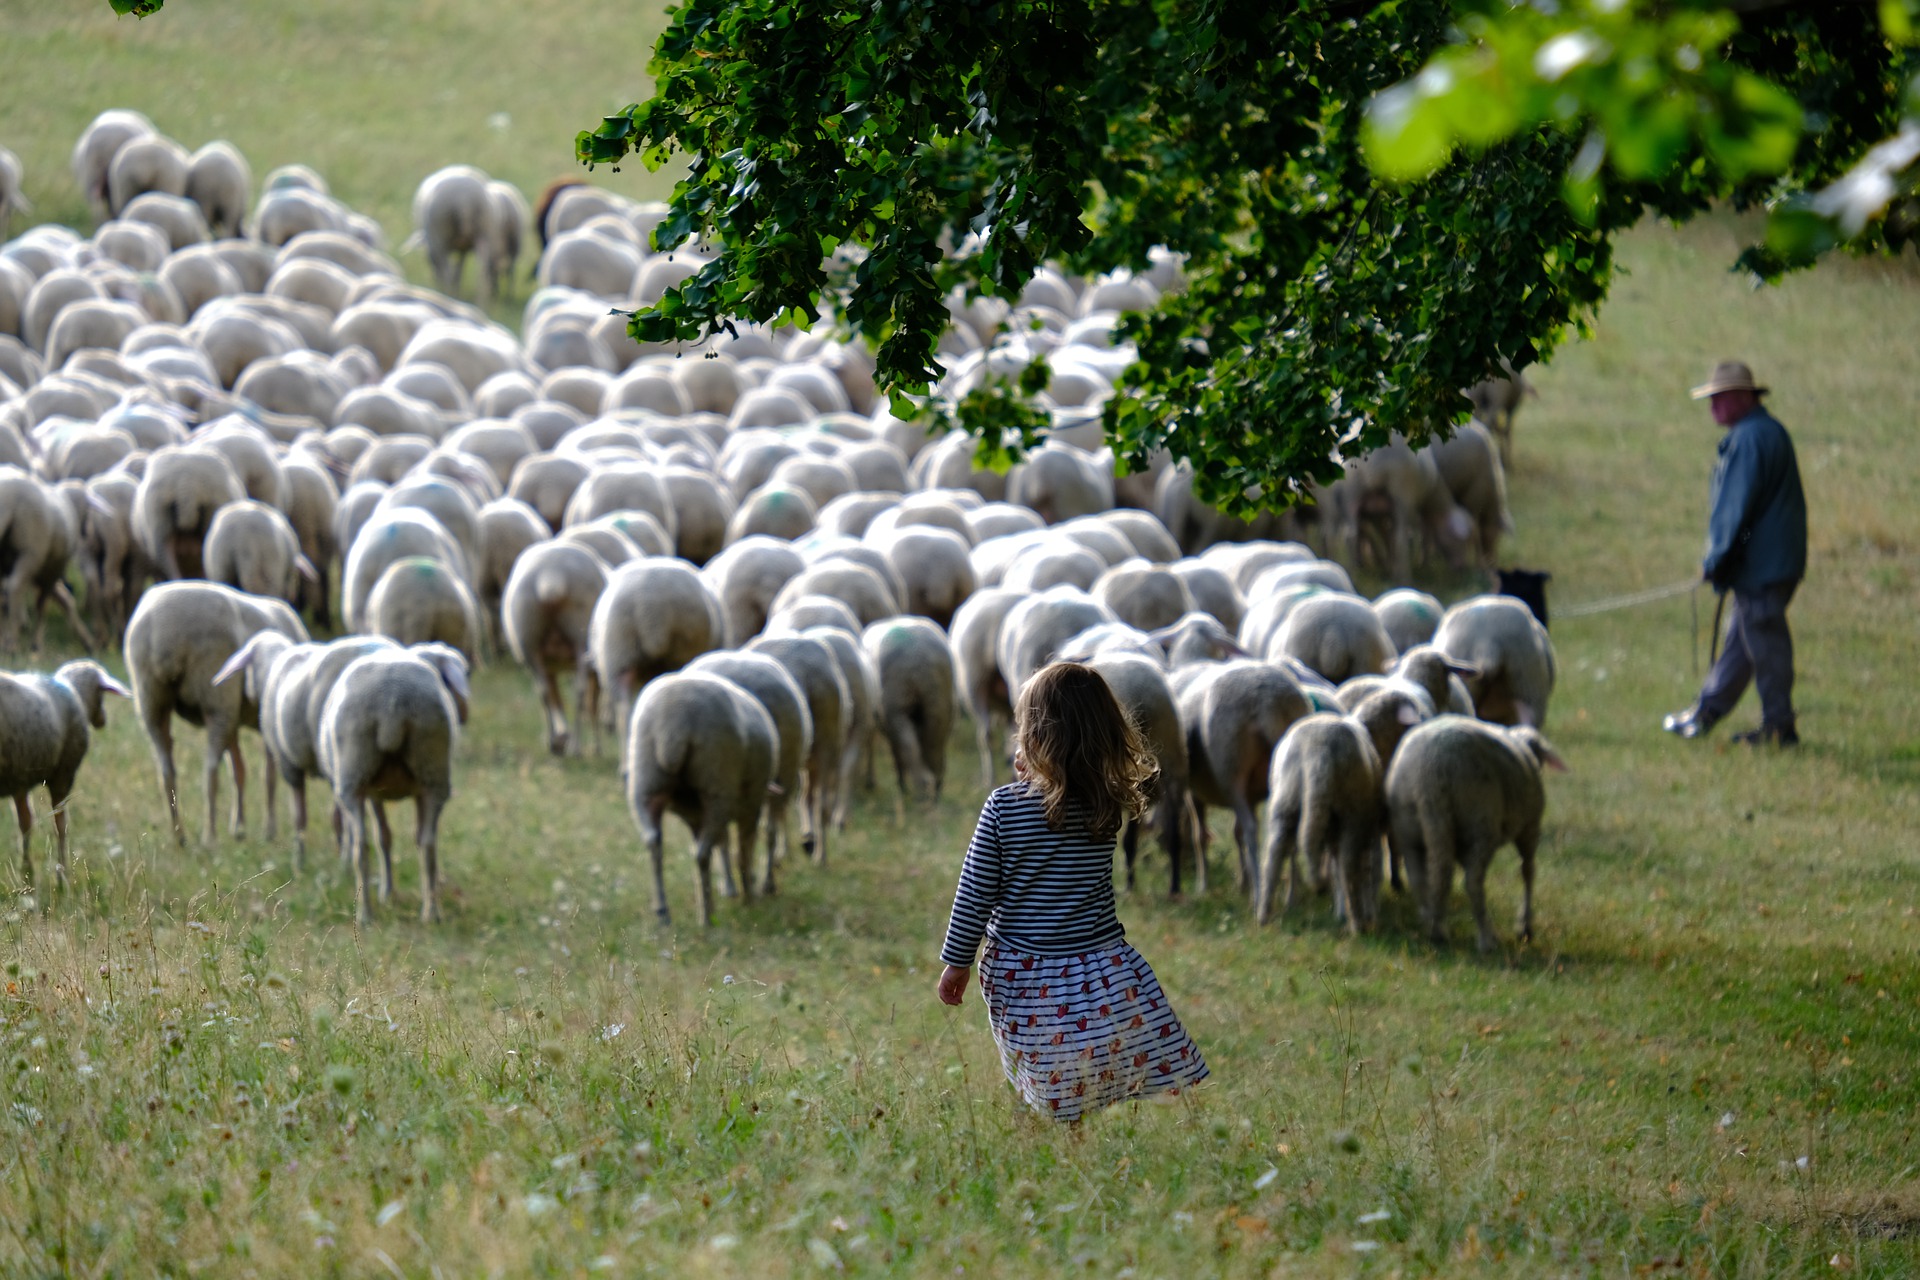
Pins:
x: 1081, y: 749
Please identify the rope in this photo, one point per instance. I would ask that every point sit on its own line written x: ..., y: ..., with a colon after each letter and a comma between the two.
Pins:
x: 1610, y: 603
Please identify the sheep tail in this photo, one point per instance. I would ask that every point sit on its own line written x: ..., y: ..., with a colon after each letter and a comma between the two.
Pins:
x: 390, y: 733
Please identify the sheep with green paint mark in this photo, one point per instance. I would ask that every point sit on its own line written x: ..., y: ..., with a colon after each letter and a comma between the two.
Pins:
x: 419, y: 599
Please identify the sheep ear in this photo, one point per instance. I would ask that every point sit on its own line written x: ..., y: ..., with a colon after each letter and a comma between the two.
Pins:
x: 1551, y: 758
x: 1465, y: 670
x: 1410, y: 715
x: 304, y: 567
x: 240, y: 661
x: 110, y: 685
x: 452, y: 667
x: 100, y: 504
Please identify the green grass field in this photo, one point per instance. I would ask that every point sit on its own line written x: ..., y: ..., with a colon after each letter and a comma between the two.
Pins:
x: 1705, y: 1066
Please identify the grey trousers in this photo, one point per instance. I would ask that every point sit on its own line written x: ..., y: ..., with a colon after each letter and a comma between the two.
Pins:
x: 1757, y: 649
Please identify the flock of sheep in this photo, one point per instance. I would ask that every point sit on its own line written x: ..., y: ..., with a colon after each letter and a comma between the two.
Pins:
x: 225, y: 414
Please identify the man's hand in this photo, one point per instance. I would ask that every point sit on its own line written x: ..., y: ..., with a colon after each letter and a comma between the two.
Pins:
x: 953, y: 983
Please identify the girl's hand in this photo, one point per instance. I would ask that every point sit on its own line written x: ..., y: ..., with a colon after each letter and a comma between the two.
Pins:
x: 953, y: 983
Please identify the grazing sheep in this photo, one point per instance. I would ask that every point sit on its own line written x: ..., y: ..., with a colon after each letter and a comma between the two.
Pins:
x: 419, y: 600
x: 1470, y: 467
x: 43, y: 740
x: 858, y: 587
x: 253, y: 548
x: 914, y: 664
x: 454, y: 216
x: 1511, y: 657
x: 111, y: 563
x: 704, y: 749
x: 150, y: 162
x: 627, y: 486
x: 816, y: 671
x: 775, y: 510
x: 387, y: 732
x: 802, y: 612
x: 1034, y: 629
x: 1212, y: 591
x: 221, y: 183
x: 1339, y: 636
x: 93, y: 154
x: 1457, y: 790
x: 655, y: 616
x: 503, y: 531
x: 1143, y: 594
x: 777, y: 691
x: 975, y: 639
x: 1142, y: 690
x: 1197, y: 637
x: 1061, y: 482
x: 1326, y: 806
x: 935, y: 567
x: 1405, y: 487
x: 1495, y: 400
x: 387, y: 538
x: 1410, y: 617
x: 547, y: 615
x: 863, y: 701
x: 702, y: 509
x: 180, y: 636
x: 38, y: 536
x: 1235, y: 714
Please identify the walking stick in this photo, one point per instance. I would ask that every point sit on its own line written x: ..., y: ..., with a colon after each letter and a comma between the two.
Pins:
x: 1693, y: 598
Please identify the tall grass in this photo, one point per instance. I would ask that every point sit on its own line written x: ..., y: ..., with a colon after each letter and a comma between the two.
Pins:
x: 1704, y: 1066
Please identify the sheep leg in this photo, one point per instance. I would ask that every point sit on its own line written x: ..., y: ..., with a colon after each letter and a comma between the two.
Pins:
x: 23, y: 809
x: 1432, y: 852
x: 829, y: 791
x: 216, y: 748
x: 60, y: 842
x: 1171, y: 814
x: 779, y: 816
x: 386, y: 850
x: 273, y: 781
x: 67, y: 603
x: 1474, y: 868
x: 239, y: 787
x: 1278, y: 853
x: 983, y: 737
x: 746, y: 829
x: 1245, y: 830
x: 353, y: 814
x: 1358, y: 867
x: 1197, y: 816
x: 1130, y: 848
x: 426, y: 809
x: 1528, y: 844
x: 587, y: 686
x: 730, y: 853
x: 551, y: 711
x: 703, y: 874
x: 160, y: 733
x: 339, y: 844
x: 650, y: 816
x: 297, y: 791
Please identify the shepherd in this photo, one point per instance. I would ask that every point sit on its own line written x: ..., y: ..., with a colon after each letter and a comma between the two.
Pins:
x: 1757, y: 549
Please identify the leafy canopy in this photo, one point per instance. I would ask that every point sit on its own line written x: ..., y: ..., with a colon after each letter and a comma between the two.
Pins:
x: 1376, y: 199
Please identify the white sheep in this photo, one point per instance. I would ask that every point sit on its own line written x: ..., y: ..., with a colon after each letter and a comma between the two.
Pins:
x: 253, y: 548
x: 655, y: 616
x: 983, y: 693
x: 1410, y: 617
x: 180, y: 636
x: 1235, y: 714
x: 387, y: 732
x: 1143, y: 594
x: 703, y: 749
x: 1325, y: 804
x: 1457, y: 790
x: 387, y: 538
x: 1511, y: 656
x: 93, y: 154
x: 418, y: 600
x: 547, y: 616
x: 43, y: 740
x: 1339, y: 636
x: 934, y: 565
x: 38, y: 537
x: 769, y: 682
x: 1033, y: 630
x: 913, y: 662
x: 816, y: 671
x: 1140, y: 686
x: 221, y: 183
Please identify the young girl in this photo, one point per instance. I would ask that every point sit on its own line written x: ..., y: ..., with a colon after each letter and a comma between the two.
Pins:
x: 1080, y: 1019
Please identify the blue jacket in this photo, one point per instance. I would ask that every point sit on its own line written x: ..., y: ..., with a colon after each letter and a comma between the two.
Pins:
x: 1757, y: 534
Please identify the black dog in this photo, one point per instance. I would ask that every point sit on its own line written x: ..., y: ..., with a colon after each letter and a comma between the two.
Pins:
x: 1528, y: 586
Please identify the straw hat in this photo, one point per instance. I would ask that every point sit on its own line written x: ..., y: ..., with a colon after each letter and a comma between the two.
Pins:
x: 1728, y: 375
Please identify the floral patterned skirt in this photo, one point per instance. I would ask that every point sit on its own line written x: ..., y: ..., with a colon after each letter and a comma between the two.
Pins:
x: 1077, y: 1033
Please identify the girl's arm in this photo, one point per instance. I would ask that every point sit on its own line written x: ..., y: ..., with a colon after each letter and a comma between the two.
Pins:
x: 974, y: 900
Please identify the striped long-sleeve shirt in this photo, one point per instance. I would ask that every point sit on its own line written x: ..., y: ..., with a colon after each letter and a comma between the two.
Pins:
x: 1030, y: 888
